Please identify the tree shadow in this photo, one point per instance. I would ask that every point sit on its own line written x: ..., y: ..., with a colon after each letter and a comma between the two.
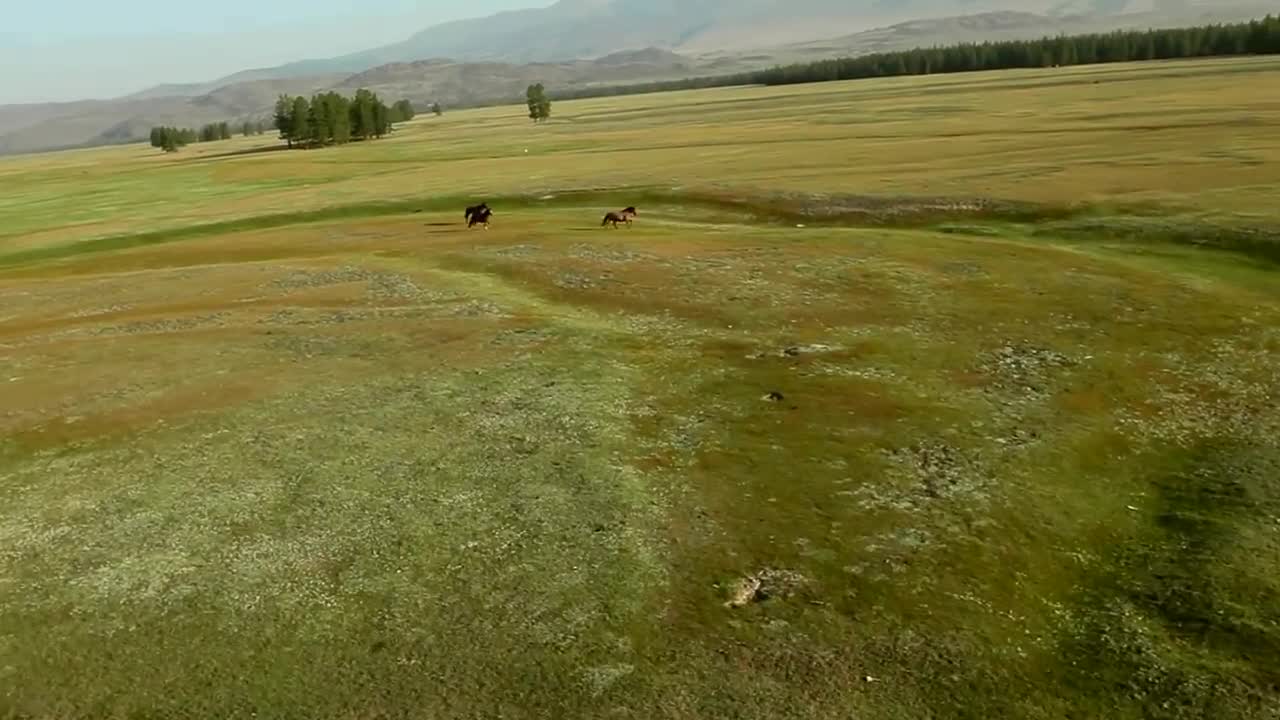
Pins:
x: 246, y: 151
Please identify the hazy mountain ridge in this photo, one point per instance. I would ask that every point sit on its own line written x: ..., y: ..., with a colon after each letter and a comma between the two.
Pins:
x: 494, y: 58
x: 1020, y: 25
x: 30, y: 128
x: 573, y: 29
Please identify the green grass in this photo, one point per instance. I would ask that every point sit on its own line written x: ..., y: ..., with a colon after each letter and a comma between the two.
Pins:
x: 280, y: 438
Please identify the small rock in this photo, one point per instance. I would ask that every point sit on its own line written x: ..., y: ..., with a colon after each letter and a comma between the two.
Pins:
x: 744, y: 593
x: 765, y: 585
x: 798, y: 350
x: 775, y: 396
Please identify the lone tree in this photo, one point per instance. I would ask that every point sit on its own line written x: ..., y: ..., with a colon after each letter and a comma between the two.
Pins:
x: 435, y: 108
x: 539, y: 103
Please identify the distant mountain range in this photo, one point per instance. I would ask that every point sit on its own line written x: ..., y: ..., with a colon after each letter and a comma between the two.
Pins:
x: 583, y: 42
x: 573, y: 29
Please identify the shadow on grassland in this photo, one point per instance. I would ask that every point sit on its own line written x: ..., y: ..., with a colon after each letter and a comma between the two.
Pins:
x: 1178, y: 616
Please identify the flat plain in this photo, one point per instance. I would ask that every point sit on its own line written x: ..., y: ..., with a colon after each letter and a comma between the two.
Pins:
x: 917, y: 397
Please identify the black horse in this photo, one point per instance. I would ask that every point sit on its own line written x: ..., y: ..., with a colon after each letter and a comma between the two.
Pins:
x: 478, y: 215
x: 614, y: 218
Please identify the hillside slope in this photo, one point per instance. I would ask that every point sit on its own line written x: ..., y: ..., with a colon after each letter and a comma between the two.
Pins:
x: 1021, y: 25
x: 492, y: 59
x: 31, y: 128
x: 589, y: 28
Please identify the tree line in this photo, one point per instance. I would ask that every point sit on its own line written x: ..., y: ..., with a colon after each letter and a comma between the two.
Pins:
x: 1257, y: 37
x: 170, y: 139
x: 253, y: 127
x: 325, y: 119
x: 215, y: 131
x: 333, y: 119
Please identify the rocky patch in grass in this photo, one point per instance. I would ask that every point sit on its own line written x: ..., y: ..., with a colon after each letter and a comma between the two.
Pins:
x: 517, y: 251
x: 765, y: 585
x: 165, y: 325
x: 97, y: 311
x: 577, y: 281
x: 595, y: 253
x: 939, y: 470
x: 1023, y: 370
x: 309, y: 279
x: 794, y: 351
x: 381, y: 285
x: 1232, y: 394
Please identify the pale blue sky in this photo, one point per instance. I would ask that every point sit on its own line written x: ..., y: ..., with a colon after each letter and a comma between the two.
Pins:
x: 54, y: 50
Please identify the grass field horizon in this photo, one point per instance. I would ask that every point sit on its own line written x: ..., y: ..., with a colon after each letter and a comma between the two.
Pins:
x: 916, y: 397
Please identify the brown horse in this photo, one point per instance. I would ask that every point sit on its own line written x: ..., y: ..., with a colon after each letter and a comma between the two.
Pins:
x: 614, y: 218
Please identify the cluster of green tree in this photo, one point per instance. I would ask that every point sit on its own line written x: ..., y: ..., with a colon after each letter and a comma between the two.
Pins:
x: 332, y: 119
x: 1257, y: 37
x: 539, y: 103
x: 402, y: 111
x: 215, y: 131
x: 253, y: 127
x: 170, y: 139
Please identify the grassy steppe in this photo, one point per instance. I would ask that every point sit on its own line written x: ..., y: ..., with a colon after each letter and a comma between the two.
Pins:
x: 279, y: 437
